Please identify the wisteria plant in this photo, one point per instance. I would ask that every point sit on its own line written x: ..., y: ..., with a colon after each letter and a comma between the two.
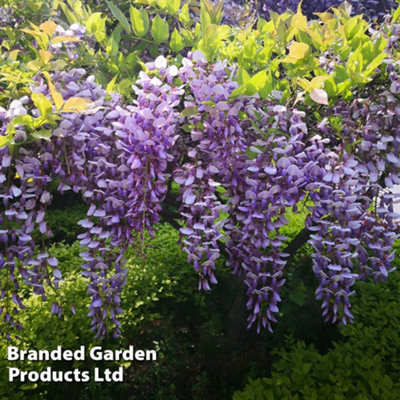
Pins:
x: 221, y: 163
x: 239, y: 165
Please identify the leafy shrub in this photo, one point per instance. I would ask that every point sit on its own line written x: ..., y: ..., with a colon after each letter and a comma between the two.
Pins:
x: 75, y: 141
x: 163, y: 310
x: 64, y: 222
x: 365, y: 365
x: 148, y: 282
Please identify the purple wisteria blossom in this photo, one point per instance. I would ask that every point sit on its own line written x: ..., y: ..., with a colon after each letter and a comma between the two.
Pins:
x: 371, y: 9
x: 238, y: 163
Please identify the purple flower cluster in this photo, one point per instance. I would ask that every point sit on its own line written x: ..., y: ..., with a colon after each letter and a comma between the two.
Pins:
x: 353, y: 220
x: 271, y: 167
x: 24, y: 195
x: 372, y: 9
x: 239, y: 165
x: 210, y: 147
x: 262, y: 188
x: 117, y: 158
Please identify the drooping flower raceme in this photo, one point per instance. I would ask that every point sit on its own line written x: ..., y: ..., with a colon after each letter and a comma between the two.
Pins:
x: 353, y: 220
x: 239, y: 164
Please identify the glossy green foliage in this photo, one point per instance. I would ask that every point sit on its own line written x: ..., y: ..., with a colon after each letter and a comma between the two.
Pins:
x: 287, y: 57
x: 316, y: 61
x: 127, y: 35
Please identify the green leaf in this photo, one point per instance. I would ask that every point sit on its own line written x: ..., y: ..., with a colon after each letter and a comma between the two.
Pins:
x: 267, y: 88
x: 159, y: 29
x: 376, y: 62
x: 396, y: 14
x: 125, y: 87
x: 97, y: 26
x: 256, y: 83
x: 117, y: 13
x: 238, y: 92
x: 173, y: 6
x: 113, y: 42
x: 76, y: 105
x: 330, y: 87
x: 26, y: 120
x: 140, y: 21
x: 67, y: 12
x: 4, y: 140
x: 189, y: 112
x: 184, y: 16
x: 42, y: 103
x: 297, y: 52
x: 42, y: 134
x: 243, y: 76
x: 110, y: 86
x: 176, y: 43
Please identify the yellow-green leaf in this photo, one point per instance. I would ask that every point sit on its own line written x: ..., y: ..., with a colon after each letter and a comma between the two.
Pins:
x: 41, y: 37
x: 110, y: 86
x: 325, y: 17
x: 139, y: 21
x: 189, y: 112
x: 159, y: 29
x: 13, y: 54
x: 4, y: 140
x: 353, y: 27
x: 318, y: 81
x: 297, y: 52
x: 45, y: 55
x: 162, y: 4
x: 34, y: 65
x: 304, y: 83
x: 42, y: 134
x: 75, y: 104
x: 42, y: 103
x: 315, y: 37
x: 57, y: 98
x: 26, y: 120
x: 60, y: 39
x: 243, y: 76
x: 173, y: 6
x: 256, y: 83
x: 376, y: 62
x: 176, y: 43
x: 238, y: 91
x: 299, y: 21
x: 70, y: 16
x: 184, y: 16
x: 396, y: 14
x: 95, y: 22
x: 49, y: 27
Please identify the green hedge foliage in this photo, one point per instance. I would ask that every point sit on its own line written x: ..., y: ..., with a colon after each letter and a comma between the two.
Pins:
x: 364, y: 366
